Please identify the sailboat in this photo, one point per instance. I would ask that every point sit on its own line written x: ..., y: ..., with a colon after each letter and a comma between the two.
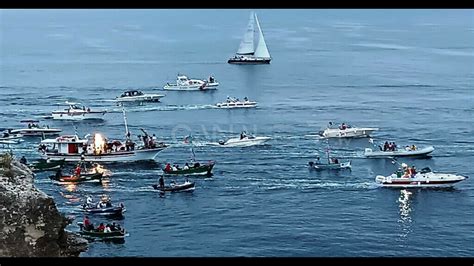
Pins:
x: 252, y: 49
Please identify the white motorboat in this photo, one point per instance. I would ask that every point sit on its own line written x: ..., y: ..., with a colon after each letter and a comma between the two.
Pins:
x: 425, y: 178
x: 35, y: 129
x: 183, y: 83
x: 138, y: 96
x: 76, y: 112
x: 346, y: 131
x: 8, y: 135
x: 71, y: 148
x: 244, y: 141
x: 252, y: 49
x: 417, y: 152
x: 232, y: 103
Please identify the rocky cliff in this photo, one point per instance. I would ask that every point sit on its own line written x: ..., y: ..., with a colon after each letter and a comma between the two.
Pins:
x: 30, y: 223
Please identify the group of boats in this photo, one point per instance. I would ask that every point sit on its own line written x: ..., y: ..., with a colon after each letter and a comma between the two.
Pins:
x: 403, y: 177
x: 59, y: 151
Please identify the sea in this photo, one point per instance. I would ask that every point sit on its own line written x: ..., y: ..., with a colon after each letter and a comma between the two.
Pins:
x: 409, y: 73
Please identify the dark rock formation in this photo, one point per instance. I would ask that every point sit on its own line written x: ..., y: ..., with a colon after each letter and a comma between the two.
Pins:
x: 30, y: 223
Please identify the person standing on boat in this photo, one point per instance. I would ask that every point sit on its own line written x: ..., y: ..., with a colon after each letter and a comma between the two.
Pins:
x: 318, y: 160
x: 23, y: 160
x: 161, y: 182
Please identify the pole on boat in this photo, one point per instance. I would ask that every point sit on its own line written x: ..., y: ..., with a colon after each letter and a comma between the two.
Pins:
x: 127, y: 133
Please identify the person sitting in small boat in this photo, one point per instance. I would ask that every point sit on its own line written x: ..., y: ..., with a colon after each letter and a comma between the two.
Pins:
x: 89, y: 201
x: 88, y: 109
x: 101, y: 227
x: 406, y: 170
x: 174, y: 167
x: 77, y: 171
x: 243, y: 134
x: 168, y: 168
x: 385, y: 146
x: 413, y: 147
x: 335, y: 161
x: 87, y: 224
x: 196, y: 165
x: 113, y: 227
x: 246, y: 99
x: 343, y: 126
x: 107, y: 229
x: 413, y: 171
x: 23, y: 160
x: 101, y: 205
x: 186, y: 166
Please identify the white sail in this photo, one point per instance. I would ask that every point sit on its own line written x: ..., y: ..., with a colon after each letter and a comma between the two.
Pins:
x: 261, y: 50
x: 247, y: 45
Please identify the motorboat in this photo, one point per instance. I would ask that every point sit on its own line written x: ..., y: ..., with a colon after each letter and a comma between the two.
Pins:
x: 175, y: 187
x: 425, y: 178
x: 78, y: 112
x: 195, y: 168
x: 43, y: 165
x: 346, y: 131
x: 252, y: 49
x: 407, y: 152
x: 243, y: 141
x: 138, y: 96
x: 120, y: 233
x: 103, y: 207
x: 35, y: 129
x: 233, y: 103
x: 97, y: 148
x: 183, y: 83
x: 8, y: 135
x: 329, y: 166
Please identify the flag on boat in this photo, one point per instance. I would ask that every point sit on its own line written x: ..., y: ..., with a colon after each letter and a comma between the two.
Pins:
x: 188, y: 139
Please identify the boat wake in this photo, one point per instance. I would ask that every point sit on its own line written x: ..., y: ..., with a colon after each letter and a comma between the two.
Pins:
x: 144, y: 108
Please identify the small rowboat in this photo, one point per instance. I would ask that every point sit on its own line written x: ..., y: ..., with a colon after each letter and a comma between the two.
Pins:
x: 197, y: 169
x: 331, y: 166
x: 185, y: 187
x: 94, y: 177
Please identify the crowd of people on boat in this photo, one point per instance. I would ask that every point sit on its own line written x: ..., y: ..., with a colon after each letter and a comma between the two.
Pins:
x: 406, y: 171
x: 176, y: 167
x: 234, y: 100
x: 108, y: 228
x: 389, y: 146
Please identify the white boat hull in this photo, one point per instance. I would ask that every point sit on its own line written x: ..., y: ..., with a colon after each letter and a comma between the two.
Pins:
x: 78, y: 115
x: 347, y: 133
x: 198, y: 87
x: 420, y: 180
x: 234, y: 105
x: 245, y: 142
x: 37, y: 131
x: 141, y: 98
x: 122, y: 156
x: 12, y: 137
x: 369, y: 153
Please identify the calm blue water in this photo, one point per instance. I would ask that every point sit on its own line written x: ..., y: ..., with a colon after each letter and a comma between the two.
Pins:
x: 408, y: 72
